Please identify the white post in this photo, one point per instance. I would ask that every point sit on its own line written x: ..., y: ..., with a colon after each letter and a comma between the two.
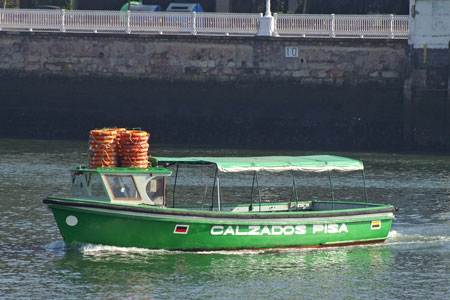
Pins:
x: 63, y: 17
x: 194, y: 17
x: 266, y: 22
x: 275, y: 16
x: 391, y: 32
x: 128, y: 29
x: 333, y: 21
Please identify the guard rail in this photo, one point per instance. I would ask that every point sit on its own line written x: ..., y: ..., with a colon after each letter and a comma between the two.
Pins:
x: 333, y: 26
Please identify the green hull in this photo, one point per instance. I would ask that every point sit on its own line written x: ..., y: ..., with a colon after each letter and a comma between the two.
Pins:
x: 171, y: 229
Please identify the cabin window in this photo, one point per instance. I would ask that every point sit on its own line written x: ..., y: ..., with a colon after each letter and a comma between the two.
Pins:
x: 96, y: 186
x: 156, y: 189
x: 89, y: 186
x: 79, y: 185
x: 123, y: 187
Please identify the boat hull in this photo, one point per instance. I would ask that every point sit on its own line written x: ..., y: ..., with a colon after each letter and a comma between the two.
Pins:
x: 174, y: 230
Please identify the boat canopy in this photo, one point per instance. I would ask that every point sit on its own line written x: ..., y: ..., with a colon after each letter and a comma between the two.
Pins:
x: 310, y: 163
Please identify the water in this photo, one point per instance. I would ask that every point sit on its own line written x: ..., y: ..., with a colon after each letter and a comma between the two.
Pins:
x: 35, y: 264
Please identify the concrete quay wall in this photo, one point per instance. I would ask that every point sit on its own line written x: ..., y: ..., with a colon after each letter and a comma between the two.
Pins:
x: 227, y: 91
x: 204, y: 58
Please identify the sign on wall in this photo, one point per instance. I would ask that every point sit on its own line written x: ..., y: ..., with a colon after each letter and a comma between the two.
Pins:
x: 291, y: 51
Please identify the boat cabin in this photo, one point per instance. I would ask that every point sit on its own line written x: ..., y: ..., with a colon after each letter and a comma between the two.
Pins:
x: 121, y: 185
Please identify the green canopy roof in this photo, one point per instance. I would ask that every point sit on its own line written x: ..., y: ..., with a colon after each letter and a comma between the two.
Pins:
x: 311, y: 163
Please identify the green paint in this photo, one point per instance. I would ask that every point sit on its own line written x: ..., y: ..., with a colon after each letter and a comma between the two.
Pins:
x: 157, y: 231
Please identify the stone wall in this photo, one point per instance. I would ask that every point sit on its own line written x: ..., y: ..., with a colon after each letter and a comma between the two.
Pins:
x: 200, y: 58
x: 219, y: 91
x: 427, y: 98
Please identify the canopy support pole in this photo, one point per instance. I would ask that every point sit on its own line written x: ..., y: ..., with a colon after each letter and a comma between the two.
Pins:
x: 174, y: 187
x: 259, y: 192
x: 213, y: 187
x: 365, y: 189
x: 206, y: 191
x: 331, y: 190
x: 251, y: 194
x: 218, y: 193
x: 294, y: 191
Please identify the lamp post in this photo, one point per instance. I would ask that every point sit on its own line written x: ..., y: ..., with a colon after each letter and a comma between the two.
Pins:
x: 268, y: 13
x: 266, y: 23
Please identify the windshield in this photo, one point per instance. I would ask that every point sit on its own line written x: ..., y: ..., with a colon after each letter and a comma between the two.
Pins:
x: 123, y: 187
x: 88, y: 186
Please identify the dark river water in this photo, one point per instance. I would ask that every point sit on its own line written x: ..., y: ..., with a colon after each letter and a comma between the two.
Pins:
x: 414, y: 263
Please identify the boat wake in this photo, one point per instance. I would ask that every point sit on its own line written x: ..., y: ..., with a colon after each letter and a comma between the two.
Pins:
x: 93, y: 249
x: 234, y: 252
x: 396, y: 237
x: 58, y: 247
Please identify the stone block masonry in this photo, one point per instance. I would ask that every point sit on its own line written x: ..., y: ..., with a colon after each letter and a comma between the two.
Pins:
x: 204, y: 58
x: 227, y: 91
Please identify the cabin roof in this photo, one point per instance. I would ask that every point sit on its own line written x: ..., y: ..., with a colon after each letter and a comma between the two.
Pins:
x: 310, y: 163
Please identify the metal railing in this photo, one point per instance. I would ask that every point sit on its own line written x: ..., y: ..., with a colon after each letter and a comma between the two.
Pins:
x: 334, y: 26
x: 129, y: 22
x: 363, y: 26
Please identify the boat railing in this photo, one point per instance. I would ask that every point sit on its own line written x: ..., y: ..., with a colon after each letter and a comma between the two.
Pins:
x: 298, y: 25
x: 213, y: 189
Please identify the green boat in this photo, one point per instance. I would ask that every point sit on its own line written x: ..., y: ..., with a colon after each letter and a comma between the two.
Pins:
x: 131, y: 207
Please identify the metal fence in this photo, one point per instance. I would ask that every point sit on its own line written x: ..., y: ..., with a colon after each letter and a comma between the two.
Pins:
x: 363, y: 26
x: 334, y: 26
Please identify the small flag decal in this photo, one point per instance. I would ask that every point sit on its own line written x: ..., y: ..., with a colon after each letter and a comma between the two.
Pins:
x: 181, y: 229
x: 375, y: 225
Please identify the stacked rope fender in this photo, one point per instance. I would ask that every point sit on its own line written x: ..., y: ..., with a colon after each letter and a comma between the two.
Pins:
x: 133, y: 151
x: 119, y: 134
x: 103, y: 151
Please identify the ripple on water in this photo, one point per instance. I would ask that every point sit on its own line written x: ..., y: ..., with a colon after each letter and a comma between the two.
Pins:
x: 36, y: 264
